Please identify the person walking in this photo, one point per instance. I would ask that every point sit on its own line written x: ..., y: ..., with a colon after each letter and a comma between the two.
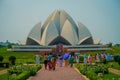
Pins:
x: 45, y: 60
x: 85, y: 59
x: 50, y: 57
x: 77, y: 59
x: 90, y: 59
x: 60, y: 60
x: 54, y: 62
x: 71, y: 60
x: 37, y: 58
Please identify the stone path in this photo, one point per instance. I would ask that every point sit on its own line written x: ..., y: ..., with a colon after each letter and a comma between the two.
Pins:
x: 114, y: 71
x: 3, y: 71
x: 61, y: 73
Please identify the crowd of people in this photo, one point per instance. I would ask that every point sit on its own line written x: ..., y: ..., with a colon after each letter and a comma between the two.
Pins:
x: 98, y: 58
x: 50, y: 60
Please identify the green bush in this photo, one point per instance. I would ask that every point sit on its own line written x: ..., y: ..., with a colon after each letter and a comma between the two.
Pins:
x: 92, y: 76
x: 5, y: 65
x: 12, y: 59
x: 101, y: 69
x: 81, y: 58
x: 92, y: 71
x: 117, y: 59
x: 1, y: 58
x: 21, y: 68
x: 23, y: 76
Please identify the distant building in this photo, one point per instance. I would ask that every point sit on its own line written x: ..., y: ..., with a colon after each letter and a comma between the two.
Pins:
x: 5, y: 43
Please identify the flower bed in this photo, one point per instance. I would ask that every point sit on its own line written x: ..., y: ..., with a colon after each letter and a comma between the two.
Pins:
x: 92, y: 71
x: 95, y: 72
x: 22, y: 72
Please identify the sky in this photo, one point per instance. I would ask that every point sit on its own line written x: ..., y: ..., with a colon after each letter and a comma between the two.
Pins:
x: 101, y: 17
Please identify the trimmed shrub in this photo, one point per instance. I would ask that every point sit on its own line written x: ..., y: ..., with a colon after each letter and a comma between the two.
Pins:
x: 23, y: 76
x: 92, y: 71
x: 117, y: 59
x: 19, y: 69
x: 92, y: 76
x: 81, y: 58
x: 12, y: 59
x: 5, y: 65
x: 1, y: 58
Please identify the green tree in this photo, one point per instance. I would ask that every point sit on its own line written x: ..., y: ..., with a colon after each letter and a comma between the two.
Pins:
x: 110, y: 44
x: 12, y: 59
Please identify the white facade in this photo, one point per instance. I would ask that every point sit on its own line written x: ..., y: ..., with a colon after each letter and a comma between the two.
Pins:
x: 59, y: 28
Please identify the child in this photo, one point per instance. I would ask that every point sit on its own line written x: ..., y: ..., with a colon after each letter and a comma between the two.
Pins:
x: 49, y: 64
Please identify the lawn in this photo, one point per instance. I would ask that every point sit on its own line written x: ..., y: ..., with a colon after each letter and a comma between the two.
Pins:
x: 21, y: 57
x: 111, y: 76
x: 114, y: 65
x: 4, y: 76
x: 91, y: 71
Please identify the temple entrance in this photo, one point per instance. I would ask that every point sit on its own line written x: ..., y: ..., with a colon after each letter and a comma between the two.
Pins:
x: 59, y: 49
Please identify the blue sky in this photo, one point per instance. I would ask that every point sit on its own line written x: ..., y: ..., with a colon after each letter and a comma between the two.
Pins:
x: 101, y: 17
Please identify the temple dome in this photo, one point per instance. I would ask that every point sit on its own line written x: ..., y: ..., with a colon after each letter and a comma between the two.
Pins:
x: 59, y: 27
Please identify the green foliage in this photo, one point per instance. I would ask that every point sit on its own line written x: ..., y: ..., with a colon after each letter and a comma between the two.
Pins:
x: 21, y: 57
x: 4, y: 76
x: 92, y: 76
x: 91, y: 71
x: 1, y: 58
x: 4, y: 65
x: 117, y: 59
x: 110, y: 44
x: 23, y: 76
x: 101, y: 69
x: 2, y: 50
x: 111, y: 76
x: 12, y: 59
x: 81, y: 58
x: 21, y: 72
x: 21, y: 68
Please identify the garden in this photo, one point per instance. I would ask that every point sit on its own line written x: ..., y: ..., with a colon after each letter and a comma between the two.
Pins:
x: 21, y: 65
x: 101, y: 70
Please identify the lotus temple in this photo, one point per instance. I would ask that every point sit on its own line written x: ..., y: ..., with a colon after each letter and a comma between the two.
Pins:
x: 60, y: 34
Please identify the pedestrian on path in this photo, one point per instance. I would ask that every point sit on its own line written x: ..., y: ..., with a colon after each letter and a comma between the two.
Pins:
x: 71, y: 60
x: 60, y: 60
x: 85, y: 59
x: 37, y: 58
x: 50, y: 56
x: 54, y: 61
x: 45, y: 60
x: 90, y: 59
x: 49, y: 64
x: 77, y: 59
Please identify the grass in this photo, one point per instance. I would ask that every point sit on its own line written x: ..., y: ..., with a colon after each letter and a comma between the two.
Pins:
x: 4, y: 76
x: 21, y: 57
x: 111, y: 76
x: 2, y: 68
x: 114, y: 65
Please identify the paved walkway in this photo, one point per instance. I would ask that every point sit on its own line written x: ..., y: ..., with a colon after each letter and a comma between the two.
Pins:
x: 61, y: 73
x: 114, y: 71
x: 3, y: 71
